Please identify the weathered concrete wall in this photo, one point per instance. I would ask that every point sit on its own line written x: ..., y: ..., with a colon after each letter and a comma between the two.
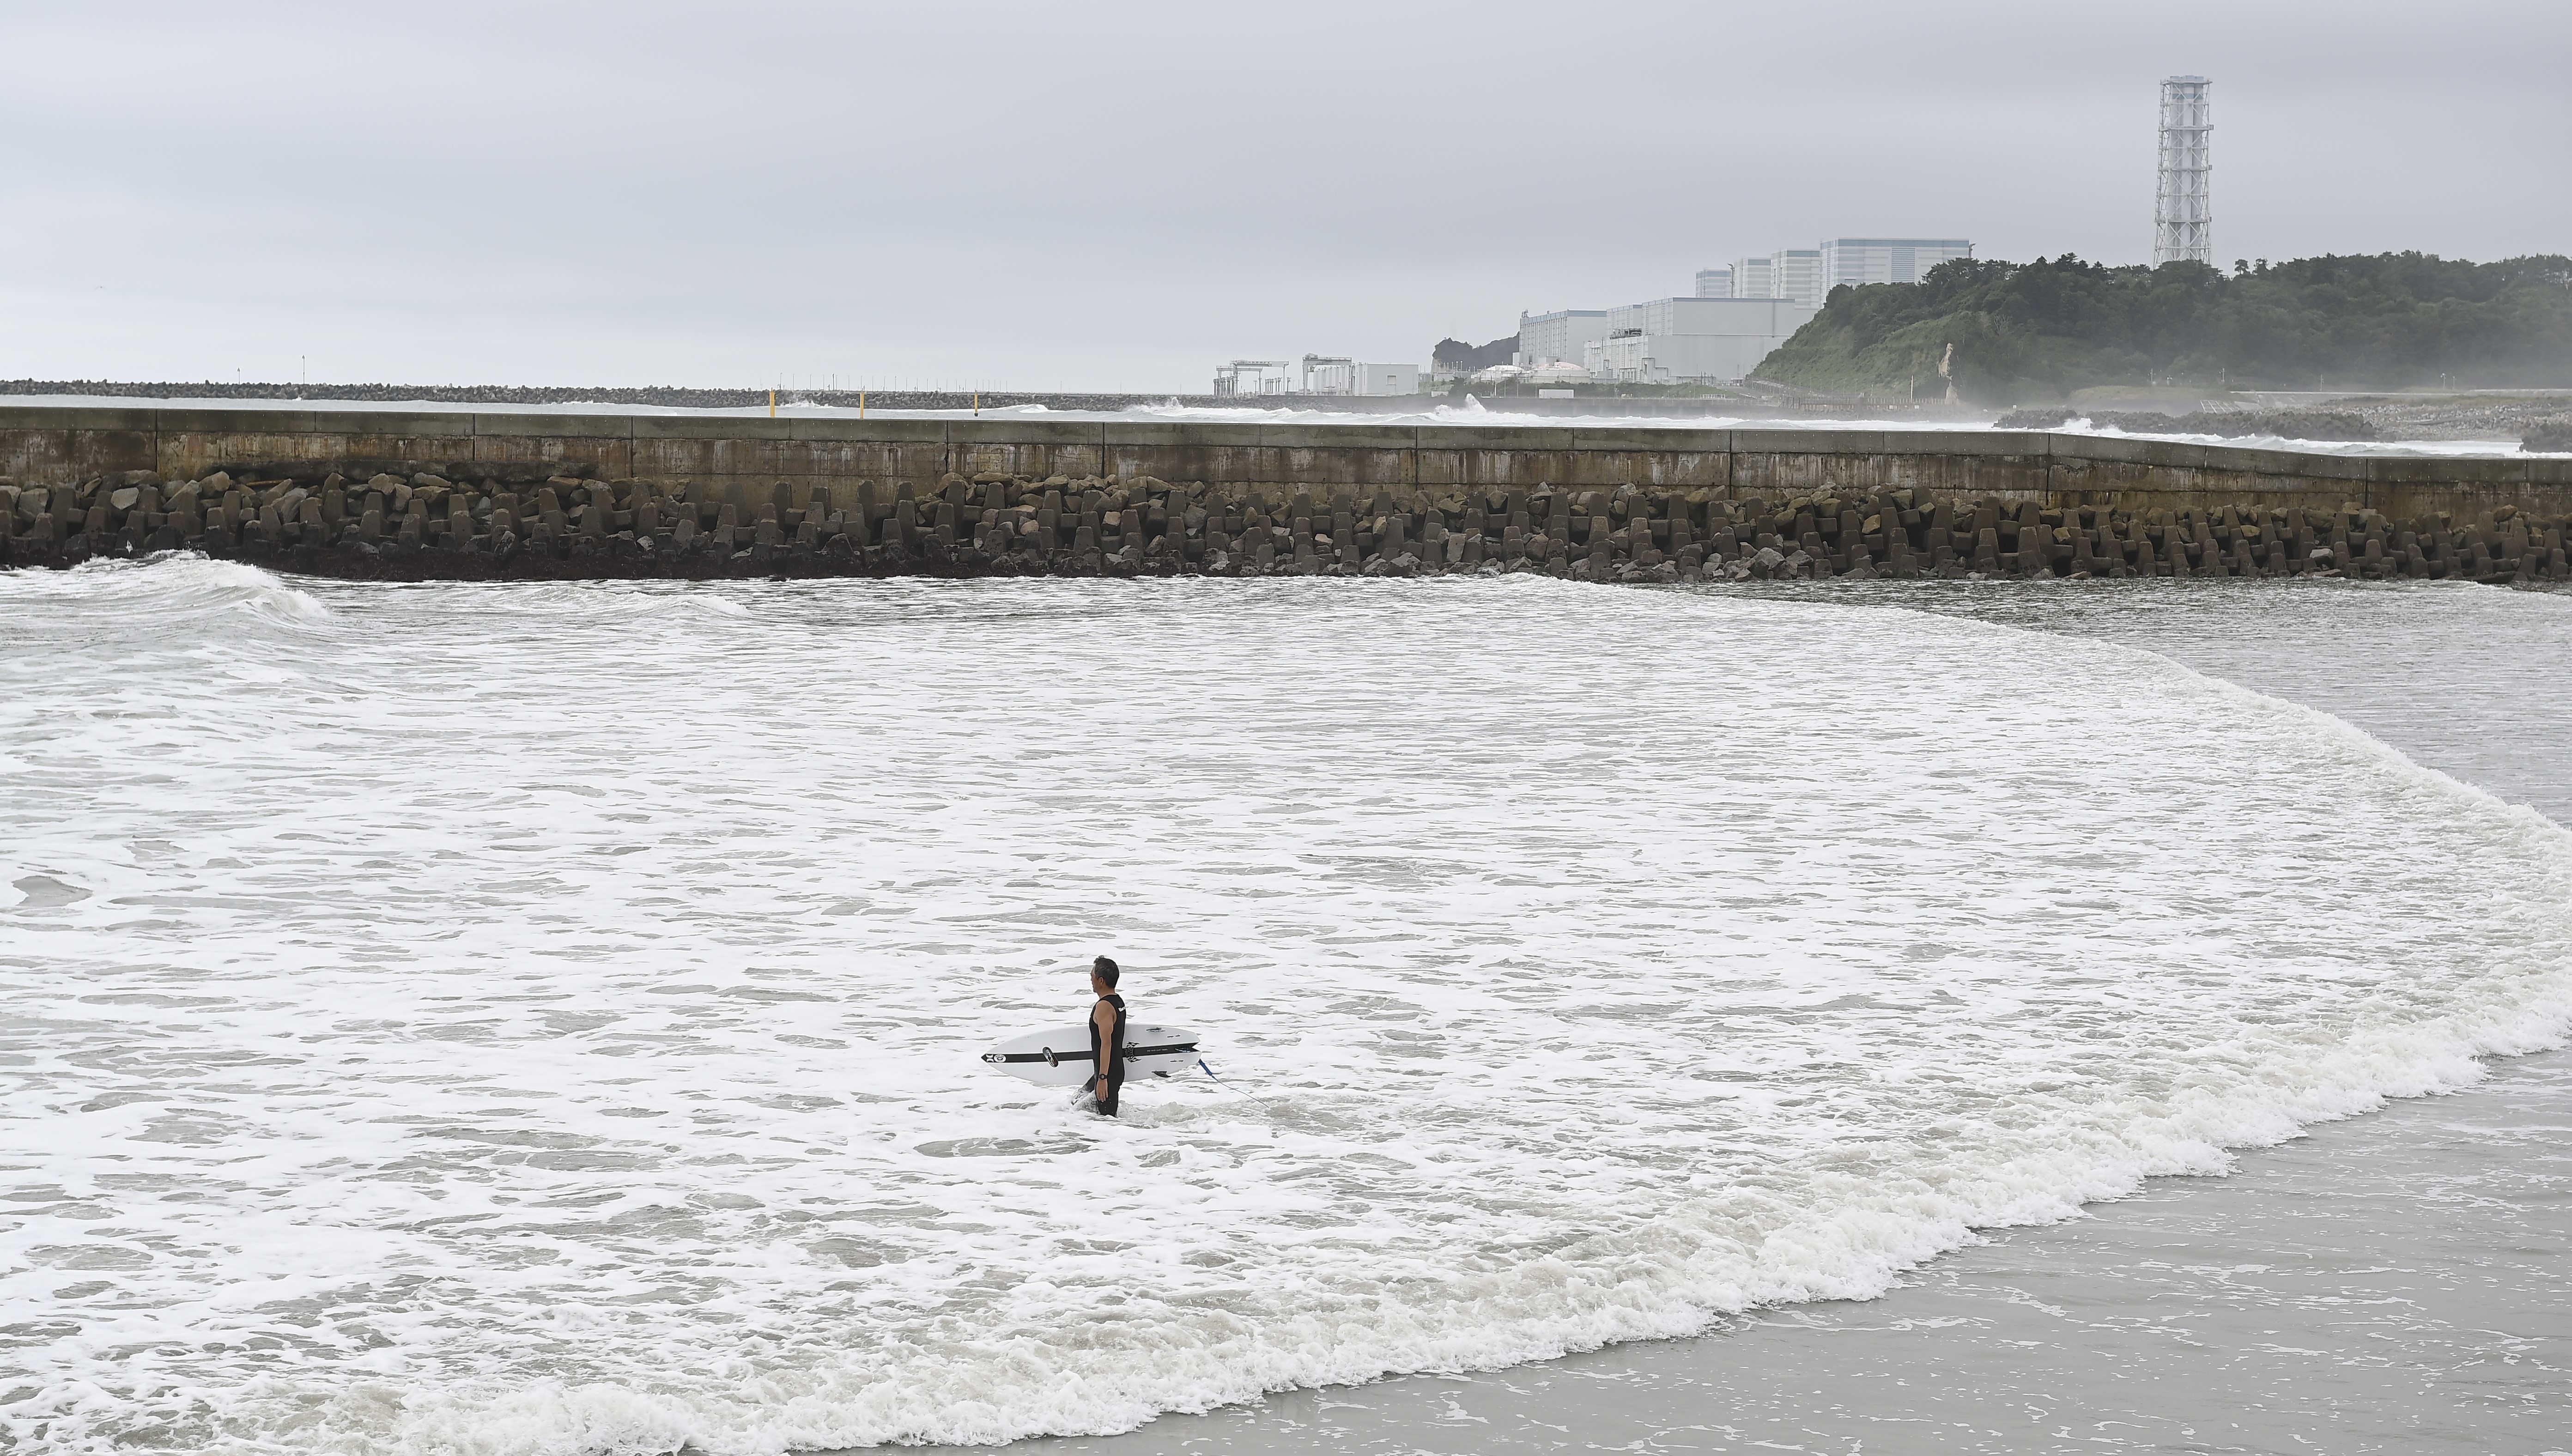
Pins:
x: 1697, y: 514
x: 743, y: 459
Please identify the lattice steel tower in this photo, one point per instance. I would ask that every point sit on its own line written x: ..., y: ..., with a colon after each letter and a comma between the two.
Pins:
x: 2183, y: 207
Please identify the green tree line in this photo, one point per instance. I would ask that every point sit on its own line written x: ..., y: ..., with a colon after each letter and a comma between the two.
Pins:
x: 2042, y: 330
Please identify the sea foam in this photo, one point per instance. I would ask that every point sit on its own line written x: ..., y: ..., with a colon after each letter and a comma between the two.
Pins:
x: 542, y: 1020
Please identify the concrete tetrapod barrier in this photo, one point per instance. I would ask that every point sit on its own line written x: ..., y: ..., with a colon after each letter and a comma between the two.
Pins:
x: 577, y: 524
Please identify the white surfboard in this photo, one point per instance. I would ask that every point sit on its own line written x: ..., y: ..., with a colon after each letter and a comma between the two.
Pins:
x: 1059, y: 1056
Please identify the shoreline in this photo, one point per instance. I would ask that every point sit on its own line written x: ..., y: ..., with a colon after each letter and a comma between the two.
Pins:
x: 2376, y: 1284
x: 2257, y: 1311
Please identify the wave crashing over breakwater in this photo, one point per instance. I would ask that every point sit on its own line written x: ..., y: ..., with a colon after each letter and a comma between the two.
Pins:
x: 541, y: 1018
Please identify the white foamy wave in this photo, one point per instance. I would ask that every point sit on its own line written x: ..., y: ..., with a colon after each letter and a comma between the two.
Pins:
x: 565, y: 1037
x: 2425, y: 449
x: 1471, y: 411
x: 165, y: 581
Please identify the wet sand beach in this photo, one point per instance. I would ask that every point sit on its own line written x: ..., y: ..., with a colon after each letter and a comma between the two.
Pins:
x: 2394, y: 1283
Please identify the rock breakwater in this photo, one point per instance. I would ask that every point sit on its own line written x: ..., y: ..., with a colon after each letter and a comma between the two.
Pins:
x: 569, y: 527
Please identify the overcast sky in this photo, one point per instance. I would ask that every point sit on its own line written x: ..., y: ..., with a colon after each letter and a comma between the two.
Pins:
x: 1123, y: 196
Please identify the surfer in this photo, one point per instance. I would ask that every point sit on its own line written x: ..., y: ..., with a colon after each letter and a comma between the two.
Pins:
x: 1106, y: 1036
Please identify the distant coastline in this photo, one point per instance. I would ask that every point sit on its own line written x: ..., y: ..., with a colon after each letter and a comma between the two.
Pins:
x: 2019, y: 333
x: 665, y: 396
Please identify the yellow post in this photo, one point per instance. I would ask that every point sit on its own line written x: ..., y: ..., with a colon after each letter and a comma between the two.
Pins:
x: 772, y: 403
x: 862, y: 403
x: 977, y: 402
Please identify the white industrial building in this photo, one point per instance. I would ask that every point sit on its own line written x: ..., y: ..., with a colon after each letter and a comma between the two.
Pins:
x: 1384, y: 378
x: 1795, y: 275
x: 1329, y: 375
x: 1715, y: 282
x: 1558, y: 336
x: 1244, y: 376
x: 1806, y: 275
x: 1858, y: 261
x: 1317, y: 374
x: 1691, y: 341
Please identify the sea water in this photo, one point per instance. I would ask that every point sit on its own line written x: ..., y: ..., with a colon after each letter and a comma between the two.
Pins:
x: 1426, y: 409
x: 543, y: 1018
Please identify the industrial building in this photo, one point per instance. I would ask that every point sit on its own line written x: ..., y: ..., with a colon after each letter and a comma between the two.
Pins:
x: 1690, y: 340
x: 1247, y: 376
x: 1806, y: 275
x: 1329, y: 375
x: 1558, y: 336
x: 1715, y: 282
x: 1317, y: 374
x: 1368, y: 378
x: 1382, y: 379
x: 1858, y: 261
x: 1792, y: 273
x: 1795, y: 275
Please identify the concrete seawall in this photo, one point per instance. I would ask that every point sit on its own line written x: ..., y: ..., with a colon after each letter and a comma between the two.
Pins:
x: 743, y: 459
x: 513, y: 495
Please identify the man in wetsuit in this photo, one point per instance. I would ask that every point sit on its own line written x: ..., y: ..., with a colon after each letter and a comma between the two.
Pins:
x: 1106, y: 1036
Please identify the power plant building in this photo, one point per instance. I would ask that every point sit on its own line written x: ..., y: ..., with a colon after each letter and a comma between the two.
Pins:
x: 1250, y: 377
x: 1329, y: 375
x: 1558, y: 336
x: 1715, y: 282
x: 1795, y: 275
x: 1691, y: 341
x: 1858, y: 261
x: 1384, y: 378
x: 1806, y: 275
x: 1318, y: 374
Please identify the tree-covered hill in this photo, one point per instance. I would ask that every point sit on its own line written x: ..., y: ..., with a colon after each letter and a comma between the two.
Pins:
x: 2042, y: 330
x: 1465, y: 358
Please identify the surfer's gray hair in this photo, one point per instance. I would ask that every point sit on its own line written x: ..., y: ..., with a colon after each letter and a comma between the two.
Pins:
x: 1104, y: 969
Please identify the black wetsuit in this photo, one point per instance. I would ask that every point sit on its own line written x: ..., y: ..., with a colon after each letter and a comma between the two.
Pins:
x: 1109, y: 1058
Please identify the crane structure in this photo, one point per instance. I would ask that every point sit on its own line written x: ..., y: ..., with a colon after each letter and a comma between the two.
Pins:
x: 2183, y: 204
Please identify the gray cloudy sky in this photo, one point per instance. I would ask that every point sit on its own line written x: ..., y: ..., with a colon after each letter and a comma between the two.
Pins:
x: 1123, y: 196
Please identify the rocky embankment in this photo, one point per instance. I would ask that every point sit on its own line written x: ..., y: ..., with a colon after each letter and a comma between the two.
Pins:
x: 570, y: 526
